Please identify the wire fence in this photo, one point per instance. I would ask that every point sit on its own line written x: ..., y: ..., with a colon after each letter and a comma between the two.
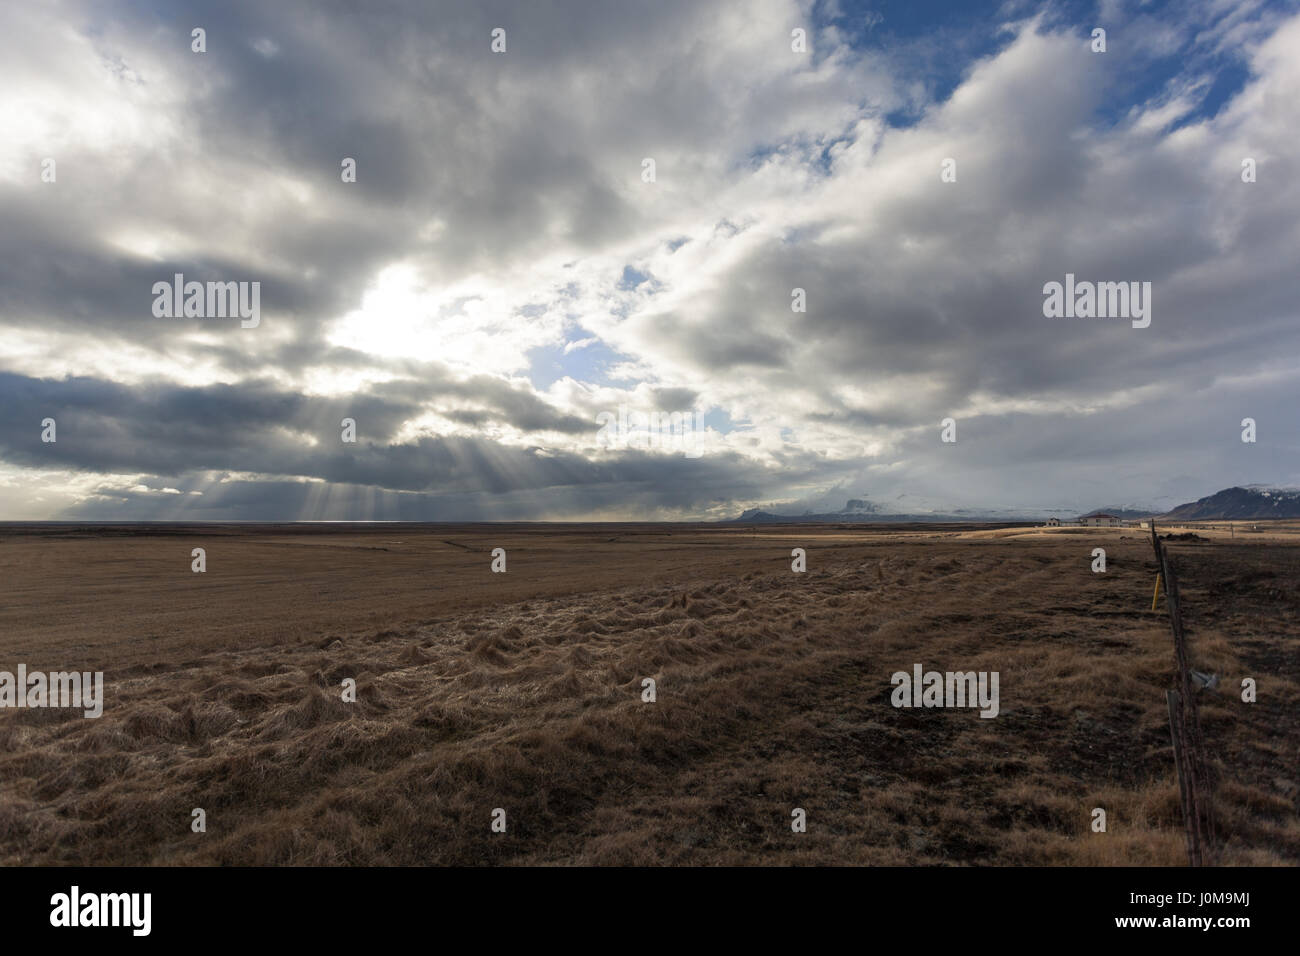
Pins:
x: 1195, y: 788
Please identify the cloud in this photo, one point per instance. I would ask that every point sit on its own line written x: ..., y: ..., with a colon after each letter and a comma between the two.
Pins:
x: 499, y: 215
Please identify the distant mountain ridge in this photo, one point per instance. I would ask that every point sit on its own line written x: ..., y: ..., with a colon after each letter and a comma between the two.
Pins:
x: 1253, y: 502
x: 1128, y: 514
x: 867, y: 516
x: 1241, y: 504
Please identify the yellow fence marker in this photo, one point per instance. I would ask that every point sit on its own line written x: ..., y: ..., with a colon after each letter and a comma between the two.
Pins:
x: 1155, y: 595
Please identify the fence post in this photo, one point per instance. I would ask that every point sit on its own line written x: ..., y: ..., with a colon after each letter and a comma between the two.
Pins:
x: 1185, y: 726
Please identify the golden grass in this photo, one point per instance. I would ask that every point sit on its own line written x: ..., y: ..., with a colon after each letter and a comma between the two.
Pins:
x: 523, y: 691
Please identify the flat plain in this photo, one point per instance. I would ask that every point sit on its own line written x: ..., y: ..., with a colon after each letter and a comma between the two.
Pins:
x: 523, y: 691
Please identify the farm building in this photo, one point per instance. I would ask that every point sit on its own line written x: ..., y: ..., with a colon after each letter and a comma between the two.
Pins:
x: 1053, y: 522
x: 1101, y: 521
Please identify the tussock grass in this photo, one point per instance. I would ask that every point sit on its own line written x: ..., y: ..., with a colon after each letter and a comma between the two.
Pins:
x: 773, y: 693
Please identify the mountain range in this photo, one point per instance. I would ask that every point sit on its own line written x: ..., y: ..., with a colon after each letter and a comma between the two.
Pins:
x: 1242, y: 504
x: 1253, y: 502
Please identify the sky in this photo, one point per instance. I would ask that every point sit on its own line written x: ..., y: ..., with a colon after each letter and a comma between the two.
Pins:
x: 509, y: 280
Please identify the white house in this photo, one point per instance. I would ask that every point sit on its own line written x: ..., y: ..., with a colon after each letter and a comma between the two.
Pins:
x: 1053, y: 522
x: 1101, y: 521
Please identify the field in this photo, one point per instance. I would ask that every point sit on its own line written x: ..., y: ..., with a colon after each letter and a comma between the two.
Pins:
x: 523, y: 691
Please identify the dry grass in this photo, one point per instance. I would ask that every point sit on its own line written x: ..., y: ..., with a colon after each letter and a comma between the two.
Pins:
x: 523, y: 691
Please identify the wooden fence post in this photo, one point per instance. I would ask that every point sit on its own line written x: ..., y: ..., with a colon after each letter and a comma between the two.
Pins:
x: 1185, y: 726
